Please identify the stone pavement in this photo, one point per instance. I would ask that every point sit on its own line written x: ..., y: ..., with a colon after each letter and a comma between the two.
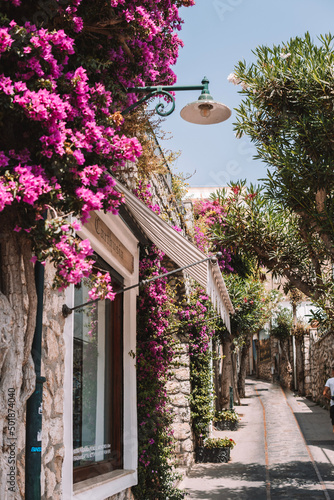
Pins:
x: 285, y: 450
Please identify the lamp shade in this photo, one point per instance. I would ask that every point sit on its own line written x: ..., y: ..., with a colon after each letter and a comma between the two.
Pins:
x: 205, y: 112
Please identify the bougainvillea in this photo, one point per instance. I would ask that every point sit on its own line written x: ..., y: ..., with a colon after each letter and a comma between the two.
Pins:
x: 64, y: 69
x: 208, y: 213
x: 155, y: 351
x: 144, y: 193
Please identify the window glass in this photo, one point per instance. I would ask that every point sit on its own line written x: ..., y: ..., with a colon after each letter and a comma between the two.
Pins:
x: 97, y: 385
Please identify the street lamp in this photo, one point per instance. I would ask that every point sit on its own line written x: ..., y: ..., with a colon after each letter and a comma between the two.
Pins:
x: 204, y: 111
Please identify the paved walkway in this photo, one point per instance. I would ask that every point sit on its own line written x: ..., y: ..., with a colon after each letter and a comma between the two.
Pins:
x: 285, y: 450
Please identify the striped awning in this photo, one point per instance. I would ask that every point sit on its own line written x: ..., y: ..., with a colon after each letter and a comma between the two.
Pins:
x: 181, y: 251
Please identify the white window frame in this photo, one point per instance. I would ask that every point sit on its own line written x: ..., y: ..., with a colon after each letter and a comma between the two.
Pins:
x: 106, y: 485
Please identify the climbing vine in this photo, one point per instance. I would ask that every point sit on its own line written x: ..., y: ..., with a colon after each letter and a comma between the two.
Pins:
x: 195, y: 322
x: 155, y: 352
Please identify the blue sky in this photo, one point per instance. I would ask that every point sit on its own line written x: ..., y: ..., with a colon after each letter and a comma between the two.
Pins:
x: 217, y: 34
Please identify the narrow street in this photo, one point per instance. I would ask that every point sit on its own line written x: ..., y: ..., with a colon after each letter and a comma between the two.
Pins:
x: 284, y: 450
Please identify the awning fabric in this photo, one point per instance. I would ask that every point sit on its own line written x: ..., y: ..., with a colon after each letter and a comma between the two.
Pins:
x: 181, y: 251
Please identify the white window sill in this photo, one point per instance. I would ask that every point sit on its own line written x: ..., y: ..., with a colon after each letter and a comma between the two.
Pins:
x: 104, y: 486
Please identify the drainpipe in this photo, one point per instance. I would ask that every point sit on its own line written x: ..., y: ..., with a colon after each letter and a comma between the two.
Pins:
x: 33, y: 458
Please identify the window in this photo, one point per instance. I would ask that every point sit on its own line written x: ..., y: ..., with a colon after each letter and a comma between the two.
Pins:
x: 97, y: 383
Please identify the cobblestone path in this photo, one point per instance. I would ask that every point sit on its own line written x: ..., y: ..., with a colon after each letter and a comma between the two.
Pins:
x: 285, y: 450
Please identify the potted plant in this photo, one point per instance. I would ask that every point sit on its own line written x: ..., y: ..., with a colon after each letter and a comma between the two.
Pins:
x: 226, y: 420
x: 215, y: 450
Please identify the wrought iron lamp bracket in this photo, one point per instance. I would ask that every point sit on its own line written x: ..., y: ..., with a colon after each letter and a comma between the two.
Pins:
x: 165, y: 91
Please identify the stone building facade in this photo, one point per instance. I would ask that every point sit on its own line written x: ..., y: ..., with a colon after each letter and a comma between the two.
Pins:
x: 320, y: 360
x: 115, y: 241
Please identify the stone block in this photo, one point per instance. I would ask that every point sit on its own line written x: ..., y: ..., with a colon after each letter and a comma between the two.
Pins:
x: 182, y: 431
x: 58, y: 402
x: 180, y: 400
x: 52, y: 350
x: 182, y: 413
x: 60, y: 451
x: 186, y: 446
x: 182, y: 374
x: 43, y: 481
x: 48, y: 456
x: 47, y: 404
x: 59, y: 374
x: 50, y: 483
x: 56, y: 431
x: 184, y: 358
x: 50, y: 380
x: 57, y: 467
x: 173, y: 387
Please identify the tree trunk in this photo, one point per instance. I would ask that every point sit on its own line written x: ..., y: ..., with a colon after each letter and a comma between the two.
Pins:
x: 18, y: 304
x: 285, y: 365
x: 227, y: 372
x: 235, y: 379
x: 242, y: 372
x: 215, y: 350
x: 300, y: 366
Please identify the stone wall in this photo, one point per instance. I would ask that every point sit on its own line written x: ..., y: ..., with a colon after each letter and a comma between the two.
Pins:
x: 53, y: 395
x: 179, y: 390
x: 123, y: 495
x: 280, y: 361
x: 52, y: 368
x: 307, y: 365
x: 318, y: 357
x: 321, y: 359
x: 264, y: 372
x: 269, y: 368
x: 161, y: 188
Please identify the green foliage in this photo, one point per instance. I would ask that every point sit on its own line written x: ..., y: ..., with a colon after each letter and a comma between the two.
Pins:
x: 201, y: 398
x: 227, y: 416
x: 194, y: 322
x: 287, y: 111
x: 321, y: 320
x: 283, y: 324
x: 211, y: 443
x: 300, y: 329
x: 252, y: 304
x: 261, y: 228
x: 179, y: 185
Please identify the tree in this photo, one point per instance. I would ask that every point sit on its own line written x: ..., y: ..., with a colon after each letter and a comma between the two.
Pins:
x: 242, y: 277
x: 260, y: 227
x: 287, y: 112
x: 253, y: 308
x: 65, y: 65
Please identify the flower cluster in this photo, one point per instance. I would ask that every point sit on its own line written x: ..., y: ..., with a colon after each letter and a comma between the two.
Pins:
x: 155, y: 351
x: 227, y: 416
x: 72, y: 257
x: 232, y: 78
x: 143, y: 192
x: 207, y: 214
x: 192, y: 317
x: 210, y: 211
x: 60, y: 94
x: 226, y: 442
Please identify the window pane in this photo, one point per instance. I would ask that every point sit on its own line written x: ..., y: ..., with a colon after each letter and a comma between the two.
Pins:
x: 91, y: 413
